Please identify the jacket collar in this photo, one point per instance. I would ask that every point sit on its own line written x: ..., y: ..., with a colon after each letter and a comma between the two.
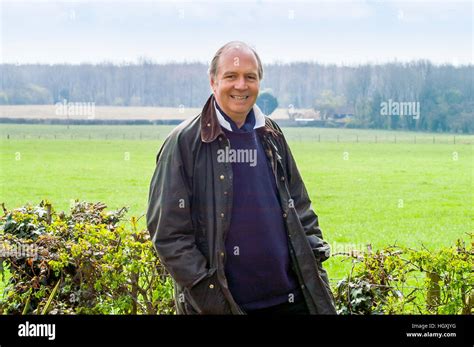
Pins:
x: 257, y: 114
x: 211, y: 121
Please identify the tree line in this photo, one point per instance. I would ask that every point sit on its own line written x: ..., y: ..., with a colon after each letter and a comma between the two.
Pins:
x: 443, y: 94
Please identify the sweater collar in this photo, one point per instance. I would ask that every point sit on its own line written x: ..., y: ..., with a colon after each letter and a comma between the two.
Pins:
x: 228, y: 124
x: 255, y: 119
x: 211, y: 125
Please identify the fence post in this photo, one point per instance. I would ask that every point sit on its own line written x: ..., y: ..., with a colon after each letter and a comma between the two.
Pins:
x: 319, y: 137
x: 395, y: 138
x: 337, y: 138
x: 48, y: 214
x: 433, y: 139
x: 454, y: 139
x: 357, y: 138
x: 414, y: 139
x: 375, y: 138
x: 434, y: 292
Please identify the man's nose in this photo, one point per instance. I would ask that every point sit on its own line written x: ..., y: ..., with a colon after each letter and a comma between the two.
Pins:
x: 240, y: 83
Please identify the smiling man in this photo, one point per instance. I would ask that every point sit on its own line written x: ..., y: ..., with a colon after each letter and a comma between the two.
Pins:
x: 235, y: 76
x: 229, y: 215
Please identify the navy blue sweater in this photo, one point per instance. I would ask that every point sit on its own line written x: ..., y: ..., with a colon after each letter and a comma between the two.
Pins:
x: 258, y: 265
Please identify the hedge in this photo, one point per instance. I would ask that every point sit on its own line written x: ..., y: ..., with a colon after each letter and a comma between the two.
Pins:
x: 94, y: 261
x: 86, y: 262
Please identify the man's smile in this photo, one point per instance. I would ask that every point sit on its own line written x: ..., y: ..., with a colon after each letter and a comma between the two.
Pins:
x: 239, y: 97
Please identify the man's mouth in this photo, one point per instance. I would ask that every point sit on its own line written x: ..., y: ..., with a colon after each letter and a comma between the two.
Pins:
x: 238, y: 97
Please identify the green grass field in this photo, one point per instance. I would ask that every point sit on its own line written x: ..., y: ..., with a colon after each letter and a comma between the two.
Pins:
x: 375, y: 191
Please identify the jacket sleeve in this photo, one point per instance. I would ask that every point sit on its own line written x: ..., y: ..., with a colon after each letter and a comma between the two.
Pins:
x: 302, y: 203
x: 169, y: 219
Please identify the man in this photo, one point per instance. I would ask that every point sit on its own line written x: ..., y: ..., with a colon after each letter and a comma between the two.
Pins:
x: 228, y: 214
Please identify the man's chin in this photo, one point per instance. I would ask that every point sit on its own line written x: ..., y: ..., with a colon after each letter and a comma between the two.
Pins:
x: 241, y: 111
x: 242, y: 108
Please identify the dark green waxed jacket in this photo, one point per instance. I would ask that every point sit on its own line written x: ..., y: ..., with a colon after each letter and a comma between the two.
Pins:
x: 188, y: 217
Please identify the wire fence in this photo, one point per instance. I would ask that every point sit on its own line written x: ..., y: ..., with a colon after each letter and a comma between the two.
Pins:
x: 160, y: 132
x: 295, y: 137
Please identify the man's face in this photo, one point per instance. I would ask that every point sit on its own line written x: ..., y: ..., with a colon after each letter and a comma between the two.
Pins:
x: 236, y: 85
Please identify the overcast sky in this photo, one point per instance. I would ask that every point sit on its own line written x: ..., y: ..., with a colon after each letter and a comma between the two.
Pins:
x: 341, y: 32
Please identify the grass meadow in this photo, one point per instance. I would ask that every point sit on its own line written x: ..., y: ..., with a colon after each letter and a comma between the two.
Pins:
x: 368, y: 187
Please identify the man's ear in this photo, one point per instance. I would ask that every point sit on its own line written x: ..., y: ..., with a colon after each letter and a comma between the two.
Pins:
x: 212, y: 82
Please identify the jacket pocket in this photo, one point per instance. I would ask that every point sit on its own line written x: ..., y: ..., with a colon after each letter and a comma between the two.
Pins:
x: 206, y: 297
x: 189, y: 309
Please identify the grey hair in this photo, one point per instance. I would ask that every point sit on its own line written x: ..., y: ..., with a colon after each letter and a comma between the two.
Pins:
x: 233, y: 44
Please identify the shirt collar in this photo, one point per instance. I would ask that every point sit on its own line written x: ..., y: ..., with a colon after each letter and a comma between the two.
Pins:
x: 255, y: 118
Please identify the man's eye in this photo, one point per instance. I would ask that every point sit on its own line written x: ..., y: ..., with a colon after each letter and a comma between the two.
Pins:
x: 252, y: 77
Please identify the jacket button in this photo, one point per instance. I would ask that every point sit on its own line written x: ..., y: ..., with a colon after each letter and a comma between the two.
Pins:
x: 222, y: 215
x: 211, y: 286
x: 282, y: 178
x: 220, y: 138
x: 222, y: 254
x: 225, y: 193
x: 221, y: 177
x: 285, y: 215
x: 208, y: 124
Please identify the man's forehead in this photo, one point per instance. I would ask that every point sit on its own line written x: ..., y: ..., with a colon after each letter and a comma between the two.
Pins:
x: 238, y: 51
x: 233, y: 56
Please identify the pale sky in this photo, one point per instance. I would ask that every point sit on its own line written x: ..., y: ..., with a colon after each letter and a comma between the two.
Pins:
x: 340, y: 32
